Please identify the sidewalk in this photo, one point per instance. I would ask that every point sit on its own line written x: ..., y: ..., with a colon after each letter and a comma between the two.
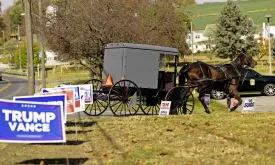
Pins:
x: 262, y: 103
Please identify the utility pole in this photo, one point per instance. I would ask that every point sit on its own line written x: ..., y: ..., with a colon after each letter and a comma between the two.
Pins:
x: 3, y: 42
x: 42, y: 46
x: 28, y: 22
x: 192, y: 41
x: 269, y: 45
x: 19, y: 46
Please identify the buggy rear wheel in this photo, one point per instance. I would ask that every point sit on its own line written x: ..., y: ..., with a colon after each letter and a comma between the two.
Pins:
x: 100, y: 99
x: 124, y: 98
x: 182, y: 100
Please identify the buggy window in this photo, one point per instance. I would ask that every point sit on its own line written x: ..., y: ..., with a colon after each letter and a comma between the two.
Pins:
x: 166, y: 62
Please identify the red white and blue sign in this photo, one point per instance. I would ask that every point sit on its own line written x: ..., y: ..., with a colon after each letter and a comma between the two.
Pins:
x: 27, y: 122
x: 60, y: 98
x: 77, y: 95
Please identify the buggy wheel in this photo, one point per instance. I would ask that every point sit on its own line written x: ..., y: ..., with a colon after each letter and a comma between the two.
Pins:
x: 124, y: 98
x: 182, y: 101
x: 100, y: 99
x: 150, y: 109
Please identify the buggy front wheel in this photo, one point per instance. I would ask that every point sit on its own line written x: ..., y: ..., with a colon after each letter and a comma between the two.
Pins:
x: 124, y: 98
x: 182, y: 100
x: 100, y: 99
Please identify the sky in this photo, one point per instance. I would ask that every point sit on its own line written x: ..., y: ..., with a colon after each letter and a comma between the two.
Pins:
x: 6, y: 4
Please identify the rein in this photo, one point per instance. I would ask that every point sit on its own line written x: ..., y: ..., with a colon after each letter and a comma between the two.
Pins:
x: 236, y: 70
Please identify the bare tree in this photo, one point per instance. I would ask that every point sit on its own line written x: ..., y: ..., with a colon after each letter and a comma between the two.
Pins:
x: 80, y: 28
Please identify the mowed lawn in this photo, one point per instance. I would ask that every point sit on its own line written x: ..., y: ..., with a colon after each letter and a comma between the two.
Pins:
x: 255, y: 9
x: 218, y: 138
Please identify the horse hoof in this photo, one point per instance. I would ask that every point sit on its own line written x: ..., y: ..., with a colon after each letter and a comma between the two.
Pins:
x: 231, y: 110
x: 208, y: 112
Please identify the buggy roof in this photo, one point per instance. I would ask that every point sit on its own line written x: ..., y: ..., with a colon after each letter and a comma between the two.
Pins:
x: 160, y: 49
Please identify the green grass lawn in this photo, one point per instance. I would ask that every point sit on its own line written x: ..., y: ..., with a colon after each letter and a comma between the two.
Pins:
x: 255, y: 9
x: 219, y: 138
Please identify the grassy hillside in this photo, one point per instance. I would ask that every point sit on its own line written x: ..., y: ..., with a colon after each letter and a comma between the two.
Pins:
x: 256, y: 9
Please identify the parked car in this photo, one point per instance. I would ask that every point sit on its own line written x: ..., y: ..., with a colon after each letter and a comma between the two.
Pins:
x: 250, y: 81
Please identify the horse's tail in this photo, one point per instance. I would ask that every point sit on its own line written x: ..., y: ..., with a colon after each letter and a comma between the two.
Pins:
x: 183, y: 74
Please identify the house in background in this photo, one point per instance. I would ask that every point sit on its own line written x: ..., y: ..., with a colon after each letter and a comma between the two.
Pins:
x: 202, y: 40
x: 52, y: 59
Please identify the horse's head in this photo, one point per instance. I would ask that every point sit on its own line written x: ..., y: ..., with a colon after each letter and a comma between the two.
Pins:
x: 249, y: 61
x: 246, y: 60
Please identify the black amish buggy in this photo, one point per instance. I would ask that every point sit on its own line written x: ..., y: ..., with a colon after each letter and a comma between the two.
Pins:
x: 138, y: 77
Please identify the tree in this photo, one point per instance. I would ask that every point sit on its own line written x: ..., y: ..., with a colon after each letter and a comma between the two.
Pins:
x: 81, y: 28
x: 235, y: 31
x: 22, y: 53
x: 2, y: 24
x: 2, y: 27
x: 263, y: 47
x: 10, y: 47
x: 184, y: 2
x: 15, y: 14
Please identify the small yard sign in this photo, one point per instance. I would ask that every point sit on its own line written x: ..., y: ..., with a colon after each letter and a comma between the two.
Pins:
x: 249, y: 105
x: 164, y: 108
x: 207, y: 99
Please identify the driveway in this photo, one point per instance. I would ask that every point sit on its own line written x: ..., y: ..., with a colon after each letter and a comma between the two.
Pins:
x: 262, y: 103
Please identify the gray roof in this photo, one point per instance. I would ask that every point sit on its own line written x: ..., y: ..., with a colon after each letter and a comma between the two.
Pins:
x: 161, y: 49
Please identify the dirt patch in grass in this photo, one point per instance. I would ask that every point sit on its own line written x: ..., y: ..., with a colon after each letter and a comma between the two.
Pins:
x: 219, y: 138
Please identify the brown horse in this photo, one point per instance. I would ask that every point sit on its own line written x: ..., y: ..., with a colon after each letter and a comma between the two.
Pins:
x: 203, y: 76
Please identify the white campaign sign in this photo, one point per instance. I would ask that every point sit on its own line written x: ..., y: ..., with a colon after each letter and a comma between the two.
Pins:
x: 164, y: 108
x: 249, y: 105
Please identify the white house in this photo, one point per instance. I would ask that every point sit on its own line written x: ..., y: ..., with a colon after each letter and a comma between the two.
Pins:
x: 51, y: 59
x: 199, y: 41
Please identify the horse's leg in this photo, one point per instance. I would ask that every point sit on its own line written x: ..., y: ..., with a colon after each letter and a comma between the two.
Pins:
x: 190, y: 85
x: 202, y: 92
x: 228, y: 101
x: 234, y: 94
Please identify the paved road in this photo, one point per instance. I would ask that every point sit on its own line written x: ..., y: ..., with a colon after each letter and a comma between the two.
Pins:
x: 262, y: 103
x: 12, y: 86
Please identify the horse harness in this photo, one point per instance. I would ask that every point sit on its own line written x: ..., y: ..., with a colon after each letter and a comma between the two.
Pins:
x: 223, y: 69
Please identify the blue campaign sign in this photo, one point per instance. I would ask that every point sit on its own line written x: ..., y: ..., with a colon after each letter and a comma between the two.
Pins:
x: 27, y: 122
x: 46, y: 99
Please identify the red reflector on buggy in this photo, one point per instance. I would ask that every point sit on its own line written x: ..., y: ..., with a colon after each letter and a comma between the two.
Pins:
x: 109, y: 81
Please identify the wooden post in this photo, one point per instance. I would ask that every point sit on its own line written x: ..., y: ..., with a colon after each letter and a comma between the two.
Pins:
x: 30, y: 67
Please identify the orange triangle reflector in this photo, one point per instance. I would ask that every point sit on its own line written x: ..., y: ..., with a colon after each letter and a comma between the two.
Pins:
x: 109, y: 81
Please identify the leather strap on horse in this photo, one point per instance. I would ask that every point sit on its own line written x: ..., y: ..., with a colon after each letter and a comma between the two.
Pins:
x: 223, y: 69
x: 234, y: 66
x: 203, y: 75
x: 244, y: 77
